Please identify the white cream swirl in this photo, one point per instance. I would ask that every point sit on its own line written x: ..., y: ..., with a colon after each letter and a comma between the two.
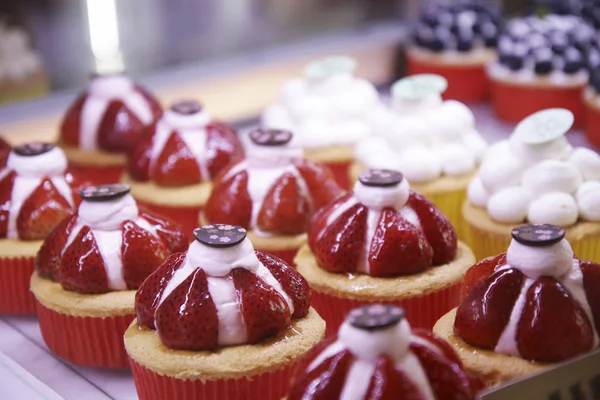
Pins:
x: 378, y: 198
x: 108, y: 215
x: 51, y: 163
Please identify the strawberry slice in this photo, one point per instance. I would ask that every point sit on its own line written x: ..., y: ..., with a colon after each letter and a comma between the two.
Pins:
x: 320, y: 182
x: 264, y: 311
x: 4, y: 152
x: 151, y: 290
x: 591, y: 284
x: 222, y: 147
x: 48, y: 257
x: 319, y: 220
x: 153, y: 103
x: 485, y: 312
x: 438, y: 342
x: 480, y: 271
x: 119, y: 128
x: 342, y: 243
x: 387, y: 383
x: 447, y: 378
x: 171, y: 234
x: 176, y: 165
x: 284, y: 210
x: 229, y: 202
x: 398, y: 247
x: 71, y: 123
x: 142, y: 254
x: 6, y: 186
x: 437, y: 228
x: 326, y: 381
x: 82, y: 267
x: 187, y: 319
x: 43, y: 210
x: 291, y: 281
x: 553, y: 326
x: 138, y: 158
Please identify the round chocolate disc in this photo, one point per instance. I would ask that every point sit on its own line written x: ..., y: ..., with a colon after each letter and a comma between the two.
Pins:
x: 270, y: 137
x: 220, y: 235
x: 538, y: 235
x: 381, y: 177
x: 187, y: 107
x: 104, y: 192
x: 33, y: 149
x: 329, y: 66
x: 416, y: 87
x: 375, y: 316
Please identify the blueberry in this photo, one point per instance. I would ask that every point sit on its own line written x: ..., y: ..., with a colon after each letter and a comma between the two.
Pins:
x: 515, y: 62
x: 595, y: 79
x: 542, y: 67
x: 463, y: 45
x: 436, y: 44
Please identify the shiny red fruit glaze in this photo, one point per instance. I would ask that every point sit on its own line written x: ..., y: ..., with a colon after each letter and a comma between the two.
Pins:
x: 264, y: 311
x: 436, y: 227
x: 176, y: 165
x: 6, y: 186
x: 553, y: 326
x: 187, y: 318
x: 148, y: 295
x: 319, y: 220
x: 222, y: 147
x: 387, y: 383
x: 69, y: 128
x: 170, y: 233
x: 47, y: 260
x: 479, y: 272
x: 42, y: 211
x: 326, y: 381
x: 4, y: 152
x: 320, y: 181
x: 342, y: 243
x: 138, y: 158
x: 82, y: 268
x: 119, y: 128
x: 229, y: 202
x: 445, y: 347
x: 591, y: 284
x: 485, y: 311
x: 291, y: 281
x: 284, y: 209
x: 155, y: 106
x: 398, y: 247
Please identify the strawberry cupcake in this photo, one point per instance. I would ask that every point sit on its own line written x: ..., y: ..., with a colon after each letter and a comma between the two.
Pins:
x: 383, y: 242
x: 456, y: 41
x: 527, y: 309
x: 273, y: 193
x: 376, y: 355
x: 220, y: 321
x: 328, y: 110
x: 87, y: 272
x: 171, y: 168
x: 433, y: 142
x: 100, y: 127
x: 535, y: 176
x: 541, y: 64
x: 35, y: 196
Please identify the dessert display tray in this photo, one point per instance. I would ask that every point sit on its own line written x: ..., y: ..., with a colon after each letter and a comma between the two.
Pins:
x: 28, y: 370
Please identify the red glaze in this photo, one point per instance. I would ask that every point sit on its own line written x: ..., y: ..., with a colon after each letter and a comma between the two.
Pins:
x: 170, y: 233
x: 69, y: 129
x: 6, y: 185
x: 320, y: 182
x: 229, y: 202
x: 387, y: 383
x: 47, y: 260
x: 223, y: 146
x: 138, y: 158
x: 591, y: 284
x: 176, y: 165
x: 4, y: 152
x: 397, y: 247
x: 480, y: 271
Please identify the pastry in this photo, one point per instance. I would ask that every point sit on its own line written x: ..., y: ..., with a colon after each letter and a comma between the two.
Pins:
x: 35, y: 196
x: 273, y: 193
x: 103, y: 123
x: 456, y: 41
x: 87, y: 272
x: 377, y: 355
x: 433, y: 142
x: 535, y: 176
x: 220, y: 321
x: 328, y: 110
x: 383, y: 242
x: 526, y: 309
x: 171, y: 168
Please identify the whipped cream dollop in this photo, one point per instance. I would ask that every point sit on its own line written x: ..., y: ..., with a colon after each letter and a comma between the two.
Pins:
x: 259, y: 156
x: 327, y: 107
x: 378, y: 198
x: 422, y: 135
x: 108, y: 215
x: 540, y: 181
x: 50, y: 163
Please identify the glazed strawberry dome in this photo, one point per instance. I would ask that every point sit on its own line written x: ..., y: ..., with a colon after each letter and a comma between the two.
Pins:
x: 185, y: 147
x: 221, y: 292
x: 109, y: 116
x: 35, y: 195
x: 4, y: 152
x: 381, y: 228
x: 377, y: 356
x: 536, y: 301
x: 537, y: 176
x: 273, y: 190
x: 108, y: 245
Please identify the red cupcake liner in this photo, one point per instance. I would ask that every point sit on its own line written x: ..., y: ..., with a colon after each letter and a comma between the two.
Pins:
x: 85, y: 341
x: 100, y: 175
x: 341, y: 173
x: 287, y: 255
x: 187, y: 217
x: 592, y: 124
x: 465, y: 83
x: 421, y: 312
x: 15, y: 296
x: 268, y: 386
x: 512, y: 102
